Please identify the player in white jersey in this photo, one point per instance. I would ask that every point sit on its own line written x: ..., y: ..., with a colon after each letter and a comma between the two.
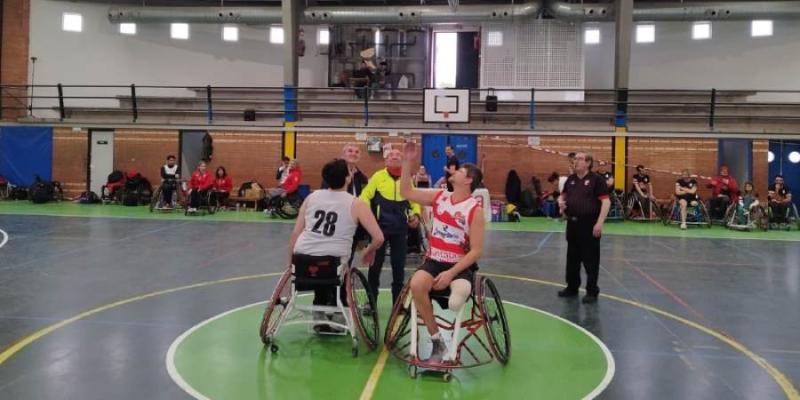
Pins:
x: 327, y: 222
x: 456, y: 242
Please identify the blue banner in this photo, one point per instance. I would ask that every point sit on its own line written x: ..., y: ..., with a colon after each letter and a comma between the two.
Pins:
x: 26, y: 152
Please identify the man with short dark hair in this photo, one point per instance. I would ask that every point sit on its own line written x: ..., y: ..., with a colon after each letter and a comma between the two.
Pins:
x: 780, y: 199
x: 169, y: 182
x: 585, y: 204
x: 283, y: 170
x: 325, y: 227
x: 456, y: 244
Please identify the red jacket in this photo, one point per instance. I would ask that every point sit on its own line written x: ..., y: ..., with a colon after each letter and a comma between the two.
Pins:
x: 719, y: 182
x: 292, y: 182
x: 223, y: 184
x: 201, y: 182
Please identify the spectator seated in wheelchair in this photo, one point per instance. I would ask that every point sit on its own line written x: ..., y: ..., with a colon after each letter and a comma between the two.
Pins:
x: 169, y: 184
x: 223, y: 185
x: 287, y: 190
x: 781, y: 209
x: 747, y: 213
x: 724, y: 191
x: 200, y: 187
x: 642, y: 204
x: 687, y: 199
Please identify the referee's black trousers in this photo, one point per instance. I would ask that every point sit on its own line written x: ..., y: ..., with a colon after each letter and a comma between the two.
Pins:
x: 582, y: 248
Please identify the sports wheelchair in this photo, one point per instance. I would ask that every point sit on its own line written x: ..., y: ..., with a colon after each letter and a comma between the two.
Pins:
x: 159, y: 203
x: 696, y: 213
x: 485, y: 313
x: 616, y: 212
x: 789, y: 220
x: 208, y: 203
x: 741, y: 218
x: 642, y: 209
x: 308, y: 273
x: 285, y: 207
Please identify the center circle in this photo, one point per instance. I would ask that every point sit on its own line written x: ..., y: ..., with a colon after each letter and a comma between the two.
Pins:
x: 223, y: 358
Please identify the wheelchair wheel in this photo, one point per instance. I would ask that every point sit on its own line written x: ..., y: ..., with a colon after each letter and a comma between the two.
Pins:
x: 212, y: 202
x: 155, y: 199
x: 363, y: 308
x: 286, y: 209
x: 494, y: 316
x: 276, y: 308
x: 399, y: 320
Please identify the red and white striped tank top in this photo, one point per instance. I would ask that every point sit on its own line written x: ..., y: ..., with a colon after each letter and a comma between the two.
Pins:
x: 450, y: 234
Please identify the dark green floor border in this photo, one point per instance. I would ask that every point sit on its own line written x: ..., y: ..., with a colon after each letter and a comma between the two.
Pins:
x: 538, y: 224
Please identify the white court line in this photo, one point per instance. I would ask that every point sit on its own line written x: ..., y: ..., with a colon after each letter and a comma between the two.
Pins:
x: 5, y: 238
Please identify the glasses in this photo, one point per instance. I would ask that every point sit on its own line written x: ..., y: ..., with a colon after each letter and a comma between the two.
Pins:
x: 580, y: 158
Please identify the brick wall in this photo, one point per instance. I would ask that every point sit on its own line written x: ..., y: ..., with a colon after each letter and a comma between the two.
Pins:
x: 14, y: 58
x: 144, y: 150
x: 674, y: 155
x: 70, y: 158
x: 498, y: 155
x: 247, y: 155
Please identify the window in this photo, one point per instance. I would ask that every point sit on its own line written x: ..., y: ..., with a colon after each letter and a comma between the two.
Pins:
x: 324, y: 36
x: 445, y: 47
x: 127, y: 28
x: 179, y: 31
x: 770, y: 156
x: 701, y: 30
x: 645, y: 33
x: 494, y: 39
x: 794, y: 157
x: 71, y: 22
x: 276, y: 34
x: 761, y: 28
x: 230, y: 33
x: 591, y: 36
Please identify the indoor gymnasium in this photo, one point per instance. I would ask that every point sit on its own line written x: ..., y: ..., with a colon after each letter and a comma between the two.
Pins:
x: 399, y: 199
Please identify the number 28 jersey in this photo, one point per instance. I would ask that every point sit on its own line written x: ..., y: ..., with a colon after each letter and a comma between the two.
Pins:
x: 329, y: 224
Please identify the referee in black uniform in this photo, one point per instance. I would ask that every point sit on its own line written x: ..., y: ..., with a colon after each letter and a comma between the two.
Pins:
x: 584, y: 201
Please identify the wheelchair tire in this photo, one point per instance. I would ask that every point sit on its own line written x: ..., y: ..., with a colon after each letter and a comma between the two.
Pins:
x: 397, y: 327
x: 155, y: 199
x: 363, y: 308
x: 495, y: 321
x: 212, y: 203
x: 276, y: 307
x: 287, y: 210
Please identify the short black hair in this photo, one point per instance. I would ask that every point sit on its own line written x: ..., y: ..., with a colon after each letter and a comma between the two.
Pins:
x: 553, y: 177
x: 640, y: 166
x: 170, y: 157
x: 334, y: 173
x: 778, y: 176
x: 286, y: 158
x: 571, y: 155
x: 475, y: 173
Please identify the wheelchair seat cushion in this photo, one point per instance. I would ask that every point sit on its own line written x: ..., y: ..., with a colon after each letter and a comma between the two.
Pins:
x: 311, y: 272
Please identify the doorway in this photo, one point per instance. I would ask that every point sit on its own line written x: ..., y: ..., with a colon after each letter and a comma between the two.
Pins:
x: 101, y: 158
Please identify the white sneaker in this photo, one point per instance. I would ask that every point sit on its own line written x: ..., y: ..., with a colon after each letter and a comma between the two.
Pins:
x: 683, y: 226
x: 192, y: 209
x: 438, y: 351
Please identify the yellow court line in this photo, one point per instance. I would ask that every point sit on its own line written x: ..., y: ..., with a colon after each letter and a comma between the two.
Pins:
x: 24, y: 342
x: 785, y: 384
x: 781, y: 379
x: 372, y: 382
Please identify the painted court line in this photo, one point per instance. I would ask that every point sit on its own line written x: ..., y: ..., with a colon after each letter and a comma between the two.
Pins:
x: 785, y: 384
x: 5, y: 238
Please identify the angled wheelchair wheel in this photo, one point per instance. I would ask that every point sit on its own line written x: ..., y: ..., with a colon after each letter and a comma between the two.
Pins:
x: 363, y: 308
x: 397, y: 327
x: 495, y: 322
x: 155, y: 199
x: 276, y: 308
x: 287, y: 210
x: 213, y: 202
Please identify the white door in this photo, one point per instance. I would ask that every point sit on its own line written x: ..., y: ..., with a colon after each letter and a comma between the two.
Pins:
x: 101, y: 159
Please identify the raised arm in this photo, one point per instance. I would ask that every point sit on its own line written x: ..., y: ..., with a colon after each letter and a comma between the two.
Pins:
x: 365, y: 217
x: 407, y: 190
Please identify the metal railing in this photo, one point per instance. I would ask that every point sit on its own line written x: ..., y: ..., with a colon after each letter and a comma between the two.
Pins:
x: 528, y: 107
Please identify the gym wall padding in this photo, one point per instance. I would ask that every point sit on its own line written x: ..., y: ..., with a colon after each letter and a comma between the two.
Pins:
x: 26, y: 152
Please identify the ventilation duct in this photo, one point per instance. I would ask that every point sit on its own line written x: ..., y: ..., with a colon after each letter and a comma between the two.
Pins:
x: 684, y: 11
x: 328, y: 15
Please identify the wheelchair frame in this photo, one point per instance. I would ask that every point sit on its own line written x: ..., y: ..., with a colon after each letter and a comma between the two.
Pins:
x: 207, y: 206
x: 402, y: 332
x: 282, y: 304
x: 155, y: 201
x: 674, y: 211
x: 634, y: 203
x: 758, y: 221
x: 793, y: 219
